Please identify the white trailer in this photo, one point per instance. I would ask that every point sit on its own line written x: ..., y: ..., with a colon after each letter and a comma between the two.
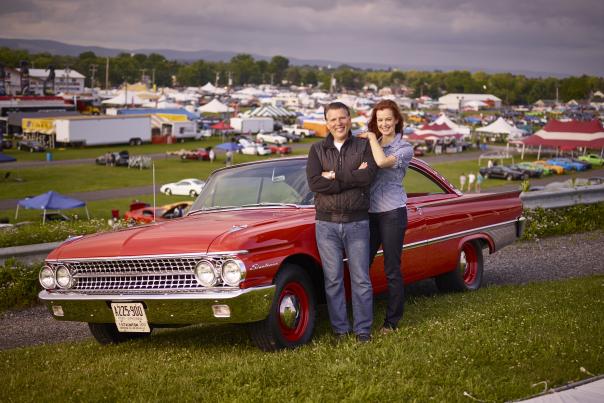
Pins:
x: 103, y: 130
x: 252, y: 125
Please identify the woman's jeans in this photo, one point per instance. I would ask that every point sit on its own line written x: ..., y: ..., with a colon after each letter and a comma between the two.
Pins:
x: 388, y: 229
x: 333, y: 239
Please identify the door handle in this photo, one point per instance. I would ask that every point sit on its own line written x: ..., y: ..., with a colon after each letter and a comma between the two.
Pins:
x: 417, y: 209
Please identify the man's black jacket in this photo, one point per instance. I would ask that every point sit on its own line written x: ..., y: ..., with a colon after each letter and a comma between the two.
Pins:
x: 346, y: 198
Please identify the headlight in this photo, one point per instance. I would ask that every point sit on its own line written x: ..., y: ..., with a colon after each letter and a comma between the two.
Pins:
x: 63, y: 277
x: 204, y: 272
x: 232, y: 273
x: 47, y: 278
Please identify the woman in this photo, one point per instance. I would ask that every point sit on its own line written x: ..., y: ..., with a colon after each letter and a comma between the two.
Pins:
x: 388, y: 211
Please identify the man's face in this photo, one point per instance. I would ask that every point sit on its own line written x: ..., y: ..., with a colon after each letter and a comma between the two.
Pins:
x: 338, y: 123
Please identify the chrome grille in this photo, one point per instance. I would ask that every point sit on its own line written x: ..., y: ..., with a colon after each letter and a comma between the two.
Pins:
x: 137, y: 274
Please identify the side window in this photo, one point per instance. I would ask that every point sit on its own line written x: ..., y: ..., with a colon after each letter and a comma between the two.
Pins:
x: 417, y: 184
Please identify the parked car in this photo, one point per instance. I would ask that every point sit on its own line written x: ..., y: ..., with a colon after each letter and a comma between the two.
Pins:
x: 567, y: 164
x: 299, y: 131
x: 250, y: 148
x: 199, y: 154
x: 118, y: 159
x: 31, y: 146
x: 291, y: 137
x: 186, y: 187
x: 586, y: 164
x: 525, y: 167
x: 280, y: 149
x: 557, y: 169
x: 503, y: 172
x: 5, y: 143
x: 593, y: 159
x: 270, y: 138
x: 535, y: 168
x: 246, y: 253
x: 166, y: 212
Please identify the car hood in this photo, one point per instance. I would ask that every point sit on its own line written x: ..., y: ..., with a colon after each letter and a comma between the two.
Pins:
x: 191, y: 234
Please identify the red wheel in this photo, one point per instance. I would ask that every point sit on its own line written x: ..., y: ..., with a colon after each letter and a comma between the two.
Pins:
x: 467, y: 275
x: 293, y: 311
x: 291, y: 320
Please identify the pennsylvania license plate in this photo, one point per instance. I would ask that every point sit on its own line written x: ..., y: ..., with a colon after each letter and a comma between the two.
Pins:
x: 130, y: 317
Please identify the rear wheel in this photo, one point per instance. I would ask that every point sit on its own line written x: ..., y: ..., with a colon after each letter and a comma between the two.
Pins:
x: 291, y: 320
x: 467, y: 276
x: 193, y: 193
x: 509, y: 177
x: 107, y: 333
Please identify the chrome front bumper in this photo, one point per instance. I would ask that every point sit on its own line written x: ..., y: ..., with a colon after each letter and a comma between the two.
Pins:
x: 246, y: 305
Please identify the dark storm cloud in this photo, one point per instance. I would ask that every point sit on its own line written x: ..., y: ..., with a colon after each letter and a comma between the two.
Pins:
x: 538, y: 35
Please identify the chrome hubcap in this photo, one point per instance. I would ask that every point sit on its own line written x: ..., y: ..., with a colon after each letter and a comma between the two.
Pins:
x: 463, y: 263
x: 289, y: 311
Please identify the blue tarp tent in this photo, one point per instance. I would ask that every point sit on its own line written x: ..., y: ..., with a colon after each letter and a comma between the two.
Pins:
x: 50, y: 201
x: 6, y: 158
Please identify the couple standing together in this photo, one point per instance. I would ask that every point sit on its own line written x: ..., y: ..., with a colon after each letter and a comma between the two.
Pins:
x: 360, y: 204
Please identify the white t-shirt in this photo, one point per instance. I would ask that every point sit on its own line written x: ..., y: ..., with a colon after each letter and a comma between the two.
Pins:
x: 338, y: 145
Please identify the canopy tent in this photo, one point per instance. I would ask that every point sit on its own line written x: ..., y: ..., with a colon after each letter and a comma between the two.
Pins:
x: 215, y: 106
x: 442, y: 118
x: 500, y: 126
x: 434, y: 132
x: 50, y: 201
x: 6, y: 158
x: 568, y: 135
x: 123, y: 98
x: 270, y: 111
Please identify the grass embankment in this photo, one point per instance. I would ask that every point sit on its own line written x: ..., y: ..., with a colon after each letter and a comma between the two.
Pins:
x: 496, y: 344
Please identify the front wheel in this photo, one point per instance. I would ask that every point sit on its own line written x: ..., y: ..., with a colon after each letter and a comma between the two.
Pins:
x: 193, y: 193
x: 467, y: 276
x: 168, y: 191
x: 107, y: 333
x: 291, y: 320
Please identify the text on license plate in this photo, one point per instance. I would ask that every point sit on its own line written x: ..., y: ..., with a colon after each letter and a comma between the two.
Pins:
x: 130, y: 317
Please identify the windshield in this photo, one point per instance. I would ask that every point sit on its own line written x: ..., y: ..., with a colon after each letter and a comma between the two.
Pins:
x: 274, y: 182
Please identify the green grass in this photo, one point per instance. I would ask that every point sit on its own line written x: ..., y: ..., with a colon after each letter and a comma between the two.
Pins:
x: 494, y: 344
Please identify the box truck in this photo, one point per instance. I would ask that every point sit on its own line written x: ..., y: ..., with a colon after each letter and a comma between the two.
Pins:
x: 252, y: 125
x: 103, y: 130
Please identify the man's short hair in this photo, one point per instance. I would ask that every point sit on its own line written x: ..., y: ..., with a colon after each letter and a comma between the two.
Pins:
x: 335, y: 105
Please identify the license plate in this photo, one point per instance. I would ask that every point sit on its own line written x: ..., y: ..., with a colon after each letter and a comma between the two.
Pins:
x: 130, y: 317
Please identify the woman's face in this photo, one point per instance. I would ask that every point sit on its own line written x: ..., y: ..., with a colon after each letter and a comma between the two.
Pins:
x: 386, y: 122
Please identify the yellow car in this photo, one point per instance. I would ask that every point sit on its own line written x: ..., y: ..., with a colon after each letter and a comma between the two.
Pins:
x: 558, y: 170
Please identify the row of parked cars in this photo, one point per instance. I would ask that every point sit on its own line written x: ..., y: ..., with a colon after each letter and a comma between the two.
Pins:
x: 537, y: 169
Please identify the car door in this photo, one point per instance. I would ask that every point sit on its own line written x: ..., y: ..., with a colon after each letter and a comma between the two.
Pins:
x: 183, y: 187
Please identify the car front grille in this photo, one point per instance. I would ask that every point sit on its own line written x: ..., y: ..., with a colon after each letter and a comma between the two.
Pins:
x: 137, y: 274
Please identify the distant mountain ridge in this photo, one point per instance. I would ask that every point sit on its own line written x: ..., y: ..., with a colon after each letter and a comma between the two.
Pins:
x: 61, y: 48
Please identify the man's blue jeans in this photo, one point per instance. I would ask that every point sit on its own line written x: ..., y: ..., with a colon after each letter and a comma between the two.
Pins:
x: 333, y: 239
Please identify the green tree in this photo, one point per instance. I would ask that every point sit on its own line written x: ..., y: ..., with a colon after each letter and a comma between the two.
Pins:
x: 278, y: 67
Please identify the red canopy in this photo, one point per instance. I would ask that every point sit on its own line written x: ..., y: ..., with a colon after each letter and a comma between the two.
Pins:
x: 221, y: 126
x: 569, y: 135
x: 434, y: 132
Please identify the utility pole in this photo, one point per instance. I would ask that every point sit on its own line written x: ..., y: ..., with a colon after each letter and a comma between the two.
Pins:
x: 143, y: 80
x: 153, y: 79
x: 93, y: 68
x: 216, y: 80
x: 107, y: 74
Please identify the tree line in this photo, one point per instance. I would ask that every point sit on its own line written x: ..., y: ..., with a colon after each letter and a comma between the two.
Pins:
x: 243, y: 69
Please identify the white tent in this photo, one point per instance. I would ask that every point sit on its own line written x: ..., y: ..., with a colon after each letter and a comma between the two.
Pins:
x: 270, y: 111
x: 209, y: 88
x: 442, y: 118
x: 120, y: 99
x: 500, y: 126
x: 215, y: 106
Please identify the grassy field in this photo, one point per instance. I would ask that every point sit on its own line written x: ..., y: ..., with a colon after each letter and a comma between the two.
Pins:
x: 496, y: 344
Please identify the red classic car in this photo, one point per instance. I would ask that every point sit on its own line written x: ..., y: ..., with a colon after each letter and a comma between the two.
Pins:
x: 280, y: 149
x: 199, y: 154
x: 246, y: 253
x: 166, y: 212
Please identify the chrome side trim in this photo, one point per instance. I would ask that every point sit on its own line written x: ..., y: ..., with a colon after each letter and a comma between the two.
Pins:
x: 209, y: 295
x: 168, y: 255
x: 443, y: 238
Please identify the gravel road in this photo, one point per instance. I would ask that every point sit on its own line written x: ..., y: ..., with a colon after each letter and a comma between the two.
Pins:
x: 548, y: 259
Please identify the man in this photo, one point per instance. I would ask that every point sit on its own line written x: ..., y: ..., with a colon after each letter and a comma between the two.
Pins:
x: 342, y: 219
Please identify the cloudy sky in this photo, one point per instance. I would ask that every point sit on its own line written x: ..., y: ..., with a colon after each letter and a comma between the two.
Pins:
x: 557, y: 36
